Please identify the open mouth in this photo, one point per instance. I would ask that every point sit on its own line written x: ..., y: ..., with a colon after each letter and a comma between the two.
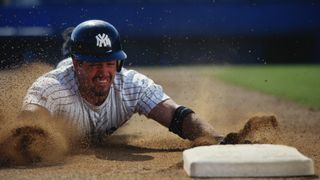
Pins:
x: 102, y: 80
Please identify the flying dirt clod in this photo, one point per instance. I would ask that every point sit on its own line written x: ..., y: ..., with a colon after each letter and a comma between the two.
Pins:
x: 257, y: 130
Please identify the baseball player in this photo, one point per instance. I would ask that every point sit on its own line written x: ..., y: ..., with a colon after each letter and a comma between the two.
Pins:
x: 93, y: 91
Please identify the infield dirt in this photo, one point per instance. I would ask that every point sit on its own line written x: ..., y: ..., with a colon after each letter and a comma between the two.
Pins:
x: 142, y: 148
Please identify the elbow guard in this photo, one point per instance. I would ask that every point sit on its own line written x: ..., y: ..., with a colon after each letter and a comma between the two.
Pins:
x: 177, y: 120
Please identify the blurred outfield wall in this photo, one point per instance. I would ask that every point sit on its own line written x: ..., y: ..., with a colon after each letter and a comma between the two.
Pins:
x: 169, y: 32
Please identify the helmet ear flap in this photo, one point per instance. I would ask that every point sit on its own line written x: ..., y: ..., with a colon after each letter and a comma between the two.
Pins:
x: 119, y: 65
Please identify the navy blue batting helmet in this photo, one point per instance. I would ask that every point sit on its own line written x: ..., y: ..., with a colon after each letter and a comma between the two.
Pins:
x: 96, y: 41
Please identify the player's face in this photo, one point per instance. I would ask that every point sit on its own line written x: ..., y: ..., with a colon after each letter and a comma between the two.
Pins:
x: 95, y: 79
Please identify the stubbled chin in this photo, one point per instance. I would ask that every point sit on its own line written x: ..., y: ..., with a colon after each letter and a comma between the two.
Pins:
x: 100, y: 91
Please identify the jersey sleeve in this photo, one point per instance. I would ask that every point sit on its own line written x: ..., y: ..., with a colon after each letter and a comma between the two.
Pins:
x: 142, y: 93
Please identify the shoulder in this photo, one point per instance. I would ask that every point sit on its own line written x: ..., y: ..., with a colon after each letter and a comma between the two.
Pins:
x: 132, y: 77
x: 140, y: 92
x: 64, y: 63
x: 52, y: 90
x: 55, y: 80
x: 58, y: 75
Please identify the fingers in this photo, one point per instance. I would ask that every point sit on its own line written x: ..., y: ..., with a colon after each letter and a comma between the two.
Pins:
x: 231, y: 138
x: 234, y: 138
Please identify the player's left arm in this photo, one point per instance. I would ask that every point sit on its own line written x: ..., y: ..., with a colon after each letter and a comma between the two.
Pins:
x: 184, y: 122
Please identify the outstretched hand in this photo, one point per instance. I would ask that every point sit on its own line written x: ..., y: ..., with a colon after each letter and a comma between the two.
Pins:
x: 233, y: 138
x: 257, y: 130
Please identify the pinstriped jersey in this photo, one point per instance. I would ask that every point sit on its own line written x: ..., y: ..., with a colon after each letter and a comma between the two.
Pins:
x: 131, y: 92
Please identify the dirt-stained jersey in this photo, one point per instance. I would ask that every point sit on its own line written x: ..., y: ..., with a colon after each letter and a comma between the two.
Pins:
x: 58, y: 92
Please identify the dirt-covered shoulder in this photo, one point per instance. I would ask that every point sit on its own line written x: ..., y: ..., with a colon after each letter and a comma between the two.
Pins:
x: 143, y: 149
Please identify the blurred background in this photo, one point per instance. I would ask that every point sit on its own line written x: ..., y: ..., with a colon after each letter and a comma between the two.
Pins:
x: 169, y: 32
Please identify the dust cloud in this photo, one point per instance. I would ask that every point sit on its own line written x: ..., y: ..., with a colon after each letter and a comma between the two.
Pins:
x: 41, y: 141
x: 30, y: 142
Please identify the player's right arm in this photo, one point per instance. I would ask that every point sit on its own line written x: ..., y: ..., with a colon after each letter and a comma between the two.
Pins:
x: 191, y: 126
x: 149, y: 99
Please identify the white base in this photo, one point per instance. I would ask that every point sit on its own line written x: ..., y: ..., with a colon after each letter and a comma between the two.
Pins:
x: 257, y: 160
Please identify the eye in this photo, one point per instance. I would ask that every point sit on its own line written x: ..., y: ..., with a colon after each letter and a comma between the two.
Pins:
x: 111, y: 64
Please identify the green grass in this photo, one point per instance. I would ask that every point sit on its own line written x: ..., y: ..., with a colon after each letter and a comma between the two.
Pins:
x: 299, y: 83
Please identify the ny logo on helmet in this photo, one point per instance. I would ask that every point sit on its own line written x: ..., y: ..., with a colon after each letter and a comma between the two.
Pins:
x: 103, y: 40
